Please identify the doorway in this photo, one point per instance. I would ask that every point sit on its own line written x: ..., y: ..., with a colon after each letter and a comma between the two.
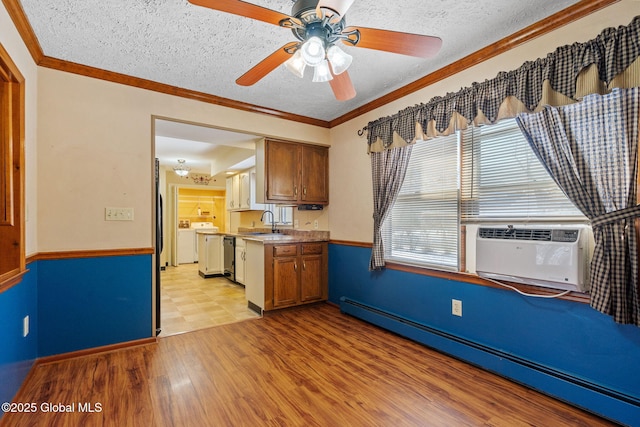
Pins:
x: 186, y: 301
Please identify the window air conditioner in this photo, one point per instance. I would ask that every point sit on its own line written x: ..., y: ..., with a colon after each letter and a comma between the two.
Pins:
x: 549, y: 256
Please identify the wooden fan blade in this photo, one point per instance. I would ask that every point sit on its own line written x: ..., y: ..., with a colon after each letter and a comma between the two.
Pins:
x: 242, y: 8
x: 265, y: 66
x: 330, y: 6
x: 397, y: 42
x: 342, y: 87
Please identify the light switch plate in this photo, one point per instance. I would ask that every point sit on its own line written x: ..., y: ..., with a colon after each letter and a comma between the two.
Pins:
x: 118, y: 214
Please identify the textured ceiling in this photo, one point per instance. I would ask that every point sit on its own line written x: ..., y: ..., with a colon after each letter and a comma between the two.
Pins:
x: 195, y: 48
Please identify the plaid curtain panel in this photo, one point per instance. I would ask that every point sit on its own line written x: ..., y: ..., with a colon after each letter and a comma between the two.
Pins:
x: 590, y: 149
x: 388, y: 169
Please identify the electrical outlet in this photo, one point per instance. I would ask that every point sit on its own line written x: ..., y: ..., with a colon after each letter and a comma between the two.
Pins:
x: 315, y: 224
x: 118, y: 214
x: 456, y: 307
x: 25, y: 326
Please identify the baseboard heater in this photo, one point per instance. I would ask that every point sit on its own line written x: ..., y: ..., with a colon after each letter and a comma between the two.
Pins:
x: 412, y: 330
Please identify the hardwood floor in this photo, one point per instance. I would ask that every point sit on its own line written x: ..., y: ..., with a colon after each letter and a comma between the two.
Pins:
x: 190, y: 302
x: 311, y: 366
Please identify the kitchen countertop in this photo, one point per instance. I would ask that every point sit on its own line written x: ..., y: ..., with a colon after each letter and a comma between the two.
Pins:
x: 281, y: 238
x: 284, y: 236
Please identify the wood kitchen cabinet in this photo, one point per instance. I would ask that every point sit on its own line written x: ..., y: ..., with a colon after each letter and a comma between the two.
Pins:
x: 314, y: 169
x: 295, y: 274
x: 290, y: 172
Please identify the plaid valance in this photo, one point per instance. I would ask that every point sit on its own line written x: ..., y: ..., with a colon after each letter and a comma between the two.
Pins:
x: 562, y: 77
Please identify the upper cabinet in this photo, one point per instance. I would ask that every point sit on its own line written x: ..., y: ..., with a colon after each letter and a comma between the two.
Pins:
x: 315, y: 174
x: 241, y: 192
x: 289, y: 172
x: 233, y: 192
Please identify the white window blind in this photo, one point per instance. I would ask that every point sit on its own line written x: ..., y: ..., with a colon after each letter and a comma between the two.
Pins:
x: 502, y: 179
x: 422, y: 227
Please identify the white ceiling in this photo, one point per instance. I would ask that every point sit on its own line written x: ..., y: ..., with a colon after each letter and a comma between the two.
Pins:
x: 196, y: 48
x: 206, y: 150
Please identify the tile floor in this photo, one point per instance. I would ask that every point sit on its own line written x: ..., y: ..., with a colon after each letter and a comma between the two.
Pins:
x: 190, y: 302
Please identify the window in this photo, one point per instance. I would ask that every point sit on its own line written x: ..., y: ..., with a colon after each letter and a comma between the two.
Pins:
x: 502, y: 179
x: 499, y: 179
x: 423, y: 225
x: 12, y: 261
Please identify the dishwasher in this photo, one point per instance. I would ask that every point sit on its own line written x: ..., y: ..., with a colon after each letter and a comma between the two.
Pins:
x: 229, y: 245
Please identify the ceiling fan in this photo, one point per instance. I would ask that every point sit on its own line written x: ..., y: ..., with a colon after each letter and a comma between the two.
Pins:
x: 320, y: 27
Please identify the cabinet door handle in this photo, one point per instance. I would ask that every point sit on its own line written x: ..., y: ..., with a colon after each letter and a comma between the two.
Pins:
x: 295, y: 266
x: 304, y: 266
x: 304, y: 191
x: 295, y: 190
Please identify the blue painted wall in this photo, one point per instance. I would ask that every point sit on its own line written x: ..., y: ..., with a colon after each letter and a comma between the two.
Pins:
x: 91, y: 302
x: 564, y: 336
x: 73, y: 304
x: 17, y: 353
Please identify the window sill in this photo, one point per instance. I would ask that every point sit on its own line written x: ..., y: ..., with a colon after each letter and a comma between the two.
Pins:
x: 477, y: 280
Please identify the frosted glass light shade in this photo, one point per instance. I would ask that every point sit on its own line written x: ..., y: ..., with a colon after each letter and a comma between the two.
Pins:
x: 296, y: 64
x: 339, y: 59
x: 181, y: 169
x: 313, y: 51
x: 321, y: 73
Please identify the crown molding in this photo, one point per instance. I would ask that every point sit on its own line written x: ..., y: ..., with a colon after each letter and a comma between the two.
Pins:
x: 565, y: 16
x: 98, y: 73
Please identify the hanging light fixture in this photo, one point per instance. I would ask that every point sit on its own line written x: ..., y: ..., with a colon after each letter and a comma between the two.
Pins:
x: 312, y: 53
x: 318, y: 49
x: 181, y: 169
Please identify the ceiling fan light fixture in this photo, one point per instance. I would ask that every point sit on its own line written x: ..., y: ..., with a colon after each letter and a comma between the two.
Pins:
x: 296, y: 64
x: 313, y: 51
x: 339, y: 59
x: 181, y: 169
x: 322, y: 73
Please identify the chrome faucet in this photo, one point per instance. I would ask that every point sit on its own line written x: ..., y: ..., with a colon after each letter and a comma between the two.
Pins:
x: 273, y: 222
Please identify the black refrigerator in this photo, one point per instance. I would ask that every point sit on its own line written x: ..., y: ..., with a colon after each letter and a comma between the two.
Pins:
x: 159, y: 243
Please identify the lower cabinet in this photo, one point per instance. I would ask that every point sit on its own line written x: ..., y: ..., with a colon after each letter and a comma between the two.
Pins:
x: 241, y: 256
x: 295, y: 274
x: 210, y: 255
